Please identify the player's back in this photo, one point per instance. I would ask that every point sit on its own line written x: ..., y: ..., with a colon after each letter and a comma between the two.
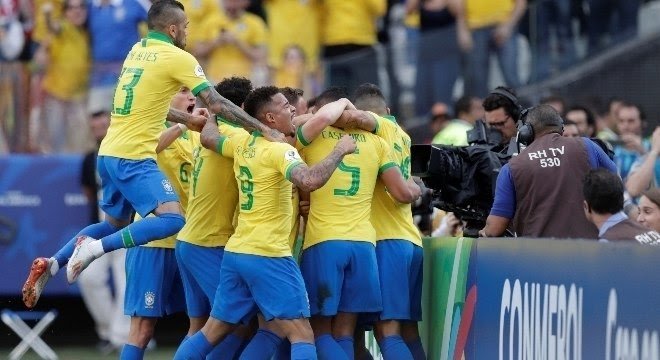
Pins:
x: 341, y: 209
x: 262, y: 168
x: 154, y: 70
x: 391, y: 219
x: 213, y: 196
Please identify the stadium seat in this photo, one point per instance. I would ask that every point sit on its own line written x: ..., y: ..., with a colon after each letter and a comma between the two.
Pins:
x: 30, y: 337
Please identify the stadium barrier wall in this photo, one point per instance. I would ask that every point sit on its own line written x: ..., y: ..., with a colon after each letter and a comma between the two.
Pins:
x: 539, y: 299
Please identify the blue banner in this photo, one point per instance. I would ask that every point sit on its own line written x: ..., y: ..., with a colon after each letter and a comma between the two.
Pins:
x: 41, y: 208
x: 562, y: 299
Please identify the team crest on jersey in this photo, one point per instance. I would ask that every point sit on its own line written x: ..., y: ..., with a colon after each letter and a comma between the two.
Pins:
x: 199, y: 71
x: 167, y: 186
x: 149, y: 300
x: 291, y: 155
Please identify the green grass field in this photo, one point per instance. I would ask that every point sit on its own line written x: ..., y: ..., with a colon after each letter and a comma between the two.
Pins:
x: 90, y: 353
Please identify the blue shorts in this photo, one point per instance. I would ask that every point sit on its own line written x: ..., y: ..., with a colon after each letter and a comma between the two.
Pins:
x: 341, y: 276
x: 153, y: 284
x: 251, y: 283
x: 400, y: 266
x: 200, y: 273
x: 129, y: 185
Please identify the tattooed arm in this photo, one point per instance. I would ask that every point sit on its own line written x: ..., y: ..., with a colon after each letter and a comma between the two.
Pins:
x: 228, y: 110
x: 311, y: 178
x: 194, y: 121
x: 357, y: 119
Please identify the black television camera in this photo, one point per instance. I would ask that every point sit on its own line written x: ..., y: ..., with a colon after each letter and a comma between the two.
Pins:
x: 463, y: 178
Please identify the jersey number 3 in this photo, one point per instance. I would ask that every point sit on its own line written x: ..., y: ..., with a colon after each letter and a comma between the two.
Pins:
x: 128, y: 88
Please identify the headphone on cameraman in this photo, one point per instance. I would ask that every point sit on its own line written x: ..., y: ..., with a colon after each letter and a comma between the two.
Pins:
x: 526, y: 130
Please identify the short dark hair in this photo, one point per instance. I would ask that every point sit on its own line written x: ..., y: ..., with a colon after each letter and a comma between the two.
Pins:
x: 331, y: 94
x: 628, y: 104
x: 653, y: 194
x: 463, y: 105
x: 591, y: 119
x: 258, y: 99
x: 495, y: 101
x: 544, y: 118
x: 569, y: 122
x: 292, y: 94
x: 234, y: 89
x: 603, y: 191
x: 162, y: 14
x: 369, y: 97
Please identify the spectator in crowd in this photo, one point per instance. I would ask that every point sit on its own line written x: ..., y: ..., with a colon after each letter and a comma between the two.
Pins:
x: 629, y: 124
x: 603, y: 206
x: 200, y: 13
x: 583, y: 118
x: 615, y: 21
x: 571, y: 129
x: 65, y: 83
x: 502, y: 111
x: 443, y: 34
x: 607, y: 121
x: 556, y: 101
x: 348, y: 35
x: 545, y: 208
x: 646, y: 171
x: 424, y: 133
x: 294, y: 35
x: 113, y: 30
x: 549, y: 16
x: 292, y: 72
x: 107, y: 311
x: 237, y: 42
x: 494, y: 27
x: 468, y: 110
x: 649, y: 209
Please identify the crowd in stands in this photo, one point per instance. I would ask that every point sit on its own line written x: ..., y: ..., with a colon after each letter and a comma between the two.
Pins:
x: 59, y: 59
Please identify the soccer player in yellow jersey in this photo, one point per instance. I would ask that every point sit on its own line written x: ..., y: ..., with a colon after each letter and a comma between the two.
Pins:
x: 153, y: 72
x: 153, y: 284
x: 339, y: 255
x: 398, y: 242
x: 210, y: 221
x: 259, y: 273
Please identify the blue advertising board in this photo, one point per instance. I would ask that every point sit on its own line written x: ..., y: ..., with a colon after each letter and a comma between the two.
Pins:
x: 563, y: 299
x: 41, y: 208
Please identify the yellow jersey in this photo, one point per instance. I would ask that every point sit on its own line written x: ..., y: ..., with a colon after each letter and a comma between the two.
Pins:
x: 293, y: 22
x: 351, y: 22
x: 295, y: 217
x: 228, y: 60
x: 341, y: 209
x: 154, y: 70
x: 40, y: 32
x: 482, y: 13
x: 213, y: 196
x: 392, y: 219
x: 68, y: 70
x: 175, y: 162
x: 262, y: 170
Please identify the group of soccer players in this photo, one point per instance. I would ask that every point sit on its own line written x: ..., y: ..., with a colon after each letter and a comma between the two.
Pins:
x: 218, y: 201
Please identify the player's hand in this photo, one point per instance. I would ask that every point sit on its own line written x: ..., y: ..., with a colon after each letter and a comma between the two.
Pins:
x: 414, y: 189
x: 304, y: 207
x: 633, y: 142
x: 655, y: 141
x: 196, y: 122
x: 202, y: 111
x: 274, y: 136
x: 346, y: 144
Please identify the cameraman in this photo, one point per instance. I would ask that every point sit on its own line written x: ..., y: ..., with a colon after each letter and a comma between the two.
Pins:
x: 542, y: 185
x: 501, y: 112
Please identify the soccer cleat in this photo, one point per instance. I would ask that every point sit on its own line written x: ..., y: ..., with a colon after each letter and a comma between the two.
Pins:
x: 81, y: 258
x: 36, y: 281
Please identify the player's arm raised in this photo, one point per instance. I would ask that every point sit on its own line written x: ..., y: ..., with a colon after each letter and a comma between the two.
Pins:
x: 311, y: 178
x: 217, y: 104
x: 326, y: 116
x: 357, y: 119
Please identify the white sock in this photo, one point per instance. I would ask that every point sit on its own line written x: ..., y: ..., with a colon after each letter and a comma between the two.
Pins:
x: 96, y: 248
x: 54, y: 267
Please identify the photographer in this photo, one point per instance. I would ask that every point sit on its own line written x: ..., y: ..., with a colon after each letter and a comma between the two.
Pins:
x: 540, y: 190
x: 502, y: 112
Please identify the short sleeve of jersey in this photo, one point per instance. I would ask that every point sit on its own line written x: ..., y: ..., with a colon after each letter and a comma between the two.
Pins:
x: 284, y: 158
x: 386, y: 158
x: 189, y: 73
x: 384, y: 128
x: 504, y: 204
x: 226, y: 146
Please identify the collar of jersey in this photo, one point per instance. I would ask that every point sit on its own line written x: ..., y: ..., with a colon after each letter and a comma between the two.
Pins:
x: 157, y: 35
x: 220, y: 119
x: 390, y: 118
